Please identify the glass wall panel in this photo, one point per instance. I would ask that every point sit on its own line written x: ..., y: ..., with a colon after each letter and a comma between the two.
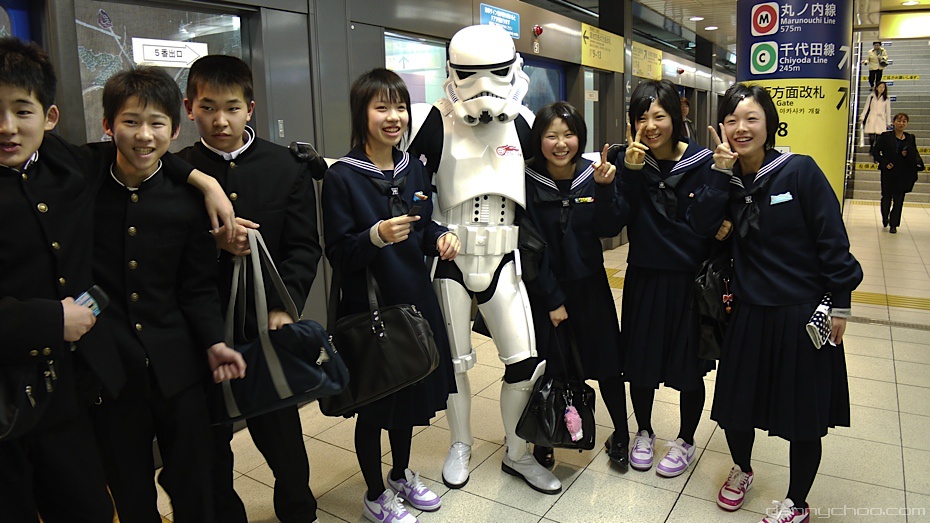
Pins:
x: 547, y: 85
x: 105, y: 33
x: 6, y: 26
x: 421, y: 63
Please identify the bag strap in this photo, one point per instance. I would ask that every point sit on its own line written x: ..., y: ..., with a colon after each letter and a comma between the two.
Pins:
x: 259, y: 256
x: 374, y: 301
x: 573, y: 345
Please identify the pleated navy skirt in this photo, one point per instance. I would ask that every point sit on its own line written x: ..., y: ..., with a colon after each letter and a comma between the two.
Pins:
x: 772, y: 377
x: 660, y: 330
x: 592, y: 319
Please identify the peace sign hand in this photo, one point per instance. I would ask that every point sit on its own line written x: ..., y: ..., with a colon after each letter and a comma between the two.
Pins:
x: 604, y: 171
x: 724, y: 157
x: 635, y: 151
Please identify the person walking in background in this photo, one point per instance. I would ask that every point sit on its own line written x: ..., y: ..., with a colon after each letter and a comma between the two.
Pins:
x: 790, y: 248
x: 688, y: 129
x: 561, y: 188
x: 876, y: 114
x: 366, y: 198
x: 877, y: 60
x: 896, y: 154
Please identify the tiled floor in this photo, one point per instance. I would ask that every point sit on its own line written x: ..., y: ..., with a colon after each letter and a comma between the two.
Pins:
x: 877, y: 470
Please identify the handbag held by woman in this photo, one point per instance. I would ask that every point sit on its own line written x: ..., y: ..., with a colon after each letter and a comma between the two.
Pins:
x: 385, y: 349
x: 291, y: 365
x: 560, y: 412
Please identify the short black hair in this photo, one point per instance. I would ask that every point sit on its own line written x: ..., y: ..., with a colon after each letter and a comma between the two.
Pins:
x: 151, y: 85
x: 544, y: 118
x: 219, y: 71
x: 27, y: 66
x: 906, y: 117
x: 737, y: 93
x: 662, y: 91
x: 877, y: 43
x: 377, y: 82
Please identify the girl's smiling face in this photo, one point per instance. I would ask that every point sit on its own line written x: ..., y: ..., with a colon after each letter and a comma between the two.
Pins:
x: 656, y: 128
x: 387, y: 122
x: 559, y: 145
x: 745, y: 129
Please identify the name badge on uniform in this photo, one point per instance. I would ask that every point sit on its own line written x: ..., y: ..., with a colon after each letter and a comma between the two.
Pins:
x: 781, y: 198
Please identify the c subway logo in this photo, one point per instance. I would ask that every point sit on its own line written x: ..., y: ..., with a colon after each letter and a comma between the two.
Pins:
x: 763, y: 58
x: 509, y: 150
x: 765, y: 19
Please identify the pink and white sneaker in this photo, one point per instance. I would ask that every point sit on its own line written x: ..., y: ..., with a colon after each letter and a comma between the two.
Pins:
x: 415, y: 492
x: 733, y: 492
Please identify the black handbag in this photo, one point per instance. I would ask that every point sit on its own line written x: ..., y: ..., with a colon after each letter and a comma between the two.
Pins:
x: 543, y: 421
x: 284, y: 367
x: 713, y: 299
x: 385, y: 349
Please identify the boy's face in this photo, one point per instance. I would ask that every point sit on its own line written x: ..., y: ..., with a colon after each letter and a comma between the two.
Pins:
x: 220, y: 115
x: 23, y: 123
x: 142, y: 135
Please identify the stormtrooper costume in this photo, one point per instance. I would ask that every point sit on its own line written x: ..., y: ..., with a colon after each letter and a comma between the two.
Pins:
x: 471, y: 140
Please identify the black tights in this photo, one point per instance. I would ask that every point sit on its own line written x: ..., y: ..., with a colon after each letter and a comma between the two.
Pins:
x: 613, y: 391
x: 368, y: 451
x: 691, y: 404
x: 804, y: 460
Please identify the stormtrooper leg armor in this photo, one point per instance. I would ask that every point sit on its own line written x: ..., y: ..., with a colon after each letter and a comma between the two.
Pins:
x: 507, y: 314
x: 456, y: 305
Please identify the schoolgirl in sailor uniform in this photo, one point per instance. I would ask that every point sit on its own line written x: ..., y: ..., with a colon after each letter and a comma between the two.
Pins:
x: 366, y: 197
x: 659, y: 327
x: 561, y: 188
x: 790, y: 248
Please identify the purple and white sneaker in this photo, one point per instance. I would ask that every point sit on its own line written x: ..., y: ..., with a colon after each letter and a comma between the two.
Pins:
x: 679, y: 457
x: 388, y: 508
x: 414, y: 492
x: 641, y: 455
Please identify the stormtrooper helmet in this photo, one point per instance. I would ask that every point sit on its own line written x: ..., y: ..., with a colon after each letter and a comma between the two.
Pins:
x: 486, y: 81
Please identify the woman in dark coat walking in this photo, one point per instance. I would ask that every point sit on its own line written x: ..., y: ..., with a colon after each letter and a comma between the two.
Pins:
x: 896, y: 154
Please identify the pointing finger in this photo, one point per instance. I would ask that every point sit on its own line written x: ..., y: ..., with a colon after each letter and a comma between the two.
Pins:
x: 604, y: 154
x: 629, y: 135
x: 639, y: 133
x: 723, y: 137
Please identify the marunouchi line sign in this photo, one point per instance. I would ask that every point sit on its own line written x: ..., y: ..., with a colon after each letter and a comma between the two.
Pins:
x: 800, y: 51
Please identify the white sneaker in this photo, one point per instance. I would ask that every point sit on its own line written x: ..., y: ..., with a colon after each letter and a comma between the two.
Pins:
x: 642, y: 455
x: 388, y: 508
x: 415, y: 492
x: 786, y: 512
x: 733, y: 492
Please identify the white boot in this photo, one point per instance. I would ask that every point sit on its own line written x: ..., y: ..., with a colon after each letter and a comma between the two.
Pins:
x: 455, y: 472
x: 518, y: 460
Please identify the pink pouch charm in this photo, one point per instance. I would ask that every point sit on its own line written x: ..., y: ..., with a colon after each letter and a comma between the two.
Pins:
x: 573, y: 422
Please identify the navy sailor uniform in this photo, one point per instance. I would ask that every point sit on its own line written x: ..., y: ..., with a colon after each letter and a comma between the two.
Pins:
x: 356, y: 195
x: 659, y: 327
x: 572, y: 272
x: 790, y: 248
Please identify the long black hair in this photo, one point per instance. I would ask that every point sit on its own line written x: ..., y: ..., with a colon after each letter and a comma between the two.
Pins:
x: 662, y: 91
x: 377, y: 82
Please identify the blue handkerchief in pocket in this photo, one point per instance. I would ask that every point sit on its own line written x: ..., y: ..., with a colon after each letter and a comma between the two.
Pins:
x: 781, y: 198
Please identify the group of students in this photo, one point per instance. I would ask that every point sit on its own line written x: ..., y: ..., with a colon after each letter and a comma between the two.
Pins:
x: 100, y: 214
x: 121, y: 215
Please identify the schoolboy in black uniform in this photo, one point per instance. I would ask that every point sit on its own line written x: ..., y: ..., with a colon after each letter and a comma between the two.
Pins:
x: 47, y: 190
x: 269, y: 186
x: 155, y: 259
x: 45, y: 241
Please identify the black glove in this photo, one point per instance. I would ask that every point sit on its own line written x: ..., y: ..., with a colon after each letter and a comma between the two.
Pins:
x: 304, y: 152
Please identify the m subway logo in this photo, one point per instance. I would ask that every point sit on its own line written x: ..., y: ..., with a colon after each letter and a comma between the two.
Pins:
x: 765, y: 19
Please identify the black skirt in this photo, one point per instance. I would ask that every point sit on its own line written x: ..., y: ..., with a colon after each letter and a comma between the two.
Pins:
x: 771, y: 377
x: 660, y: 330
x: 592, y: 319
